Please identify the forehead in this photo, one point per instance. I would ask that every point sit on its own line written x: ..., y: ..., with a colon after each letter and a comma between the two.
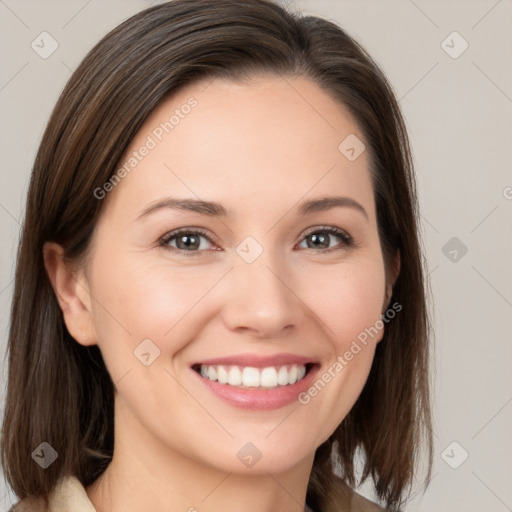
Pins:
x: 248, y: 145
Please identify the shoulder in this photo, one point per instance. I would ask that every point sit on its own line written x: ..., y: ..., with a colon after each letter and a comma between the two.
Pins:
x: 68, y: 495
x: 353, y: 501
x: 30, y: 504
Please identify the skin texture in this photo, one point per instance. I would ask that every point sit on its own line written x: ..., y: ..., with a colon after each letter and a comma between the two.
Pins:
x: 260, y: 149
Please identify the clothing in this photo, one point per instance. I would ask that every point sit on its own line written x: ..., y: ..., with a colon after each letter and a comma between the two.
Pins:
x: 69, y: 496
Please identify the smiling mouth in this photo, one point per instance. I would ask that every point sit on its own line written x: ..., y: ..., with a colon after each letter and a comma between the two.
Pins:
x: 249, y: 377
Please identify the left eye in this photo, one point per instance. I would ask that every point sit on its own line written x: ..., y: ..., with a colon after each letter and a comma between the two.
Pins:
x: 189, y: 242
x: 322, y: 236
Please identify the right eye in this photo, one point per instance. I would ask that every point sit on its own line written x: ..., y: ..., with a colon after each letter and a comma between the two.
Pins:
x: 188, y: 241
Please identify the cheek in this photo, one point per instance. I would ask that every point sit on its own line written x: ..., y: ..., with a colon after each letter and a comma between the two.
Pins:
x: 133, y: 303
x: 349, y: 303
x: 348, y: 300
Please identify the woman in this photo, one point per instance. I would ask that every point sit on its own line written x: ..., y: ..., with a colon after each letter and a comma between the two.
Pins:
x: 219, y: 298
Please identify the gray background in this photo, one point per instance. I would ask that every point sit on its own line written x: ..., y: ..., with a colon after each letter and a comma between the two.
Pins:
x: 458, y: 112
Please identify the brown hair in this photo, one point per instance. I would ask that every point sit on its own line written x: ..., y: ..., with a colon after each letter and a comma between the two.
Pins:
x: 60, y: 391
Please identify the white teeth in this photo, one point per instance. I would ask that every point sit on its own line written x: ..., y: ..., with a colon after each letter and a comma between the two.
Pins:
x: 282, y: 376
x: 268, y: 378
x: 212, y: 372
x: 235, y: 376
x: 292, y: 375
x: 222, y: 375
x: 251, y: 377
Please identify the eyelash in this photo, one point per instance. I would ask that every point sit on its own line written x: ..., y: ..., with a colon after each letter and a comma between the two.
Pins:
x: 348, y: 241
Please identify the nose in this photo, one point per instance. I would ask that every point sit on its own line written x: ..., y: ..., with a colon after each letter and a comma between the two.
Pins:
x: 260, y: 298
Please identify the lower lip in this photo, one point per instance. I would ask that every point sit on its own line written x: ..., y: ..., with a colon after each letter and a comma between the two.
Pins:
x: 260, y: 399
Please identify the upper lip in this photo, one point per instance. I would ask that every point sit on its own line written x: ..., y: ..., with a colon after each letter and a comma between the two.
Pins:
x: 257, y: 361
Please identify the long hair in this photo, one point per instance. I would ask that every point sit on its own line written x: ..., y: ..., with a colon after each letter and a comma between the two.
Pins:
x: 59, y: 391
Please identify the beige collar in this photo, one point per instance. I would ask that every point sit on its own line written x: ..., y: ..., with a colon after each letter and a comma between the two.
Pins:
x: 69, y: 496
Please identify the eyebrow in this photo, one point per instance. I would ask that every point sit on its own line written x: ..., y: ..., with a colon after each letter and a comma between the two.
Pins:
x: 214, y: 209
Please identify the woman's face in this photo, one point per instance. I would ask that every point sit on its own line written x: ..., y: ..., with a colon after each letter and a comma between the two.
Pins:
x: 254, y: 284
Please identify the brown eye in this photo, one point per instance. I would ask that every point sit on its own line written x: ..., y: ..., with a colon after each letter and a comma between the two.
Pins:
x: 188, y: 241
x: 320, y: 238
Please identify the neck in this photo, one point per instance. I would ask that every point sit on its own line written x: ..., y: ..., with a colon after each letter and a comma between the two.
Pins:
x: 145, y: 475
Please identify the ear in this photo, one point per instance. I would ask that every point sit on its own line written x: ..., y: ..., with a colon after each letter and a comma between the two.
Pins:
x: 395, y: 271
x: 72, y: 291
